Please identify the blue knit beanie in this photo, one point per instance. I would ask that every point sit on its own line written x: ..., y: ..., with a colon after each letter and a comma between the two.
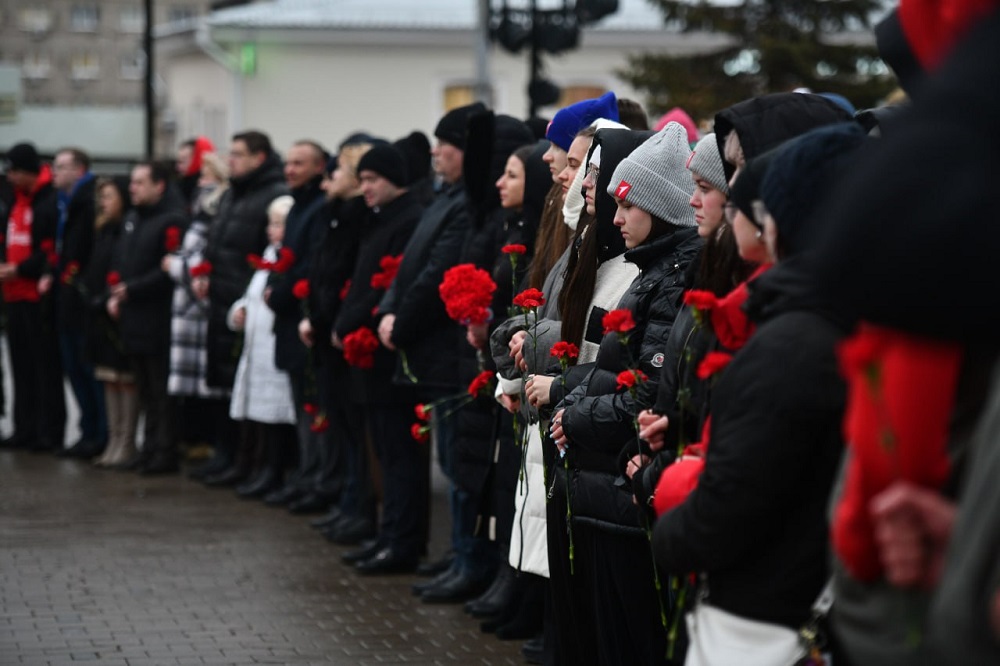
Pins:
x: 570, y: 120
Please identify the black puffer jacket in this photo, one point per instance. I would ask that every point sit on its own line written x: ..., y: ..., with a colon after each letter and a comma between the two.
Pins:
x: 145, y: 313
x: 423, y: 330
x: 598, y: 417
x: 386, y: 233
x: 239, y: 229
x: 756, y: 523
x: 304, y: 228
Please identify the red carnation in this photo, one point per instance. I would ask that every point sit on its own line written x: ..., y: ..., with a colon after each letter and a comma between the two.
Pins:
x: 201, y: 270
x: 700, y: 298
x: 320, y: 423
x: 257, y: 262
x: 390, y: 267
x: 629, y: 378
x: 345, y: 289
x: 48, y: 246
x: 713, y: 363
x: 482, y: 382
x: 467, y: 293
x: 285, y: 260
x: 530, y: 298
x: 420, y: 432
x: 310, y: 408
x: 359, y: 348
x: 422, y: 412
x: 301, y: 289
x: 618, y: 321
x: 172, y: 239
x: 72, y: 268
x: 514, y: 248
x: 565, y: 350
x: 114, y: 277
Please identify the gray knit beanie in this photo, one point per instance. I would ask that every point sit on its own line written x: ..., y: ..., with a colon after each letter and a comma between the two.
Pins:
x: 706, y: 163
x: 655, y: 177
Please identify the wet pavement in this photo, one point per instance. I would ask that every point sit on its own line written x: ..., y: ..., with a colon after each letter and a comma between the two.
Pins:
x: 121, y: 570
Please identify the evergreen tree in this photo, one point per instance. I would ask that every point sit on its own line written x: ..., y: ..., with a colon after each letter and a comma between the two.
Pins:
x: 776, y: 45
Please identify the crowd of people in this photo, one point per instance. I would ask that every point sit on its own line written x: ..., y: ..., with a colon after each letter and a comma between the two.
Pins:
x: 700, y: 398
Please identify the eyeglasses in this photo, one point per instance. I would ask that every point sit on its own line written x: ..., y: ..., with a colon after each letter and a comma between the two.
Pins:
x: 593, y: 173
x: 730, y: 210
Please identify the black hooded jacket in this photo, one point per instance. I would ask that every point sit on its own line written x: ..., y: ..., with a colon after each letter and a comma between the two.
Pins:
x: 756, y: 523
x: 239, y: 229
x: 764, y: 122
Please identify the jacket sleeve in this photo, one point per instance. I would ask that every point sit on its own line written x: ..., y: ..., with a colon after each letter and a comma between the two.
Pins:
x: 604, y: 421
x: 765, y: 441
x: 43, y: 228
x: 423, y: 296
x: 357, y: 312
x: 154, y: 283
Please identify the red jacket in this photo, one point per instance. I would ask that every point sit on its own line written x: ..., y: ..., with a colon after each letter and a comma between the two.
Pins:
x: 30, y: 238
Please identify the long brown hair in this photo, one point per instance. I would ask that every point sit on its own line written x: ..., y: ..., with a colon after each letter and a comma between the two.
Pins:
x: 553, y: 238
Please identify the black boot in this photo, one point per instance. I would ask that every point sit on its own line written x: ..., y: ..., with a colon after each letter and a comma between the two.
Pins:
x: 242, y: 465
x: 270, y: 472
x: 497, y: 596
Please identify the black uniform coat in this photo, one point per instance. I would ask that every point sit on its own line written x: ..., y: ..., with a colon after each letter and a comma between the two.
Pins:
x: 386, y: 233
x: 423, y: 329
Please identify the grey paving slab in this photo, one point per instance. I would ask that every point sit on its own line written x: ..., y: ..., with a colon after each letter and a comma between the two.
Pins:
x: 112, y: 568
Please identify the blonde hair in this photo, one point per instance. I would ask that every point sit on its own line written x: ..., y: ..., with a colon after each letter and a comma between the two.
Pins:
x: 351, y: 155
x: 733, y: 150
x: 214, y: 165
x: 280, y: 207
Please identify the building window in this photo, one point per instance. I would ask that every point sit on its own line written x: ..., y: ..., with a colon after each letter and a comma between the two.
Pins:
x: 132, y: 19
x: 181, y: 14
x: 35, y: 19
x: 458, y: 95
x: 84, y: 18
x: 132, y: 66
x: 574, y: 94
x: 84, y: 66
x: 36, y: 66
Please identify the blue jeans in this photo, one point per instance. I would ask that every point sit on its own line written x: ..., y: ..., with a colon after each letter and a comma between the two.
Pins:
x: 89, y: 392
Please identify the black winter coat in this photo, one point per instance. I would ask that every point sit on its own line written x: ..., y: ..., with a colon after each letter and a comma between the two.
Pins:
x: 304, y: 228
x: 756, y: 523
x: 239, y: 229
x: 145, y: 313
x: 422, y: 328
x: 78, y: 241
x: 333, y: 264
x: 598, y: 417
x: 386, y: 233
x: 103, y: 343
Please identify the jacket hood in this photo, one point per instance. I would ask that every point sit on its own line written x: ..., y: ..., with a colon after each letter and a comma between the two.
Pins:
x: 788, y: 286
x: 490, y: 141
x: 616, y: 145
x: 766, y: 121
x: 537, y: 183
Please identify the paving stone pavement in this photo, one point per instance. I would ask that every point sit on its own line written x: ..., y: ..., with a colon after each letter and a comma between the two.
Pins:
x: 120, y: 570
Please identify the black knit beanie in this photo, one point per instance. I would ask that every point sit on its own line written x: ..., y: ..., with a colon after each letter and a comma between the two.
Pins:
x: 453, y: 126
x: 386, y: 161
x: 24, y: 157
x: 416, y: 151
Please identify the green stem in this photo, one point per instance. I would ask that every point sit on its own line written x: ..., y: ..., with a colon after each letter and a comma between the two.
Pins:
x: 406, y: 367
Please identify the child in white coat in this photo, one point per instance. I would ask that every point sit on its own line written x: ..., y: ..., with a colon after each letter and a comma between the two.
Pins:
x: 262, y: 394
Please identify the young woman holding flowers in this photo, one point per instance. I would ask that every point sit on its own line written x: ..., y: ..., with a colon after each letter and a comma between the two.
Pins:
x: 607, y: 589
x: 754, y: 527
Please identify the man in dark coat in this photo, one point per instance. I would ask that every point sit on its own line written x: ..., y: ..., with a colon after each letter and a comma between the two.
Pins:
x: 414, y: 319
x: 74, y: 241
x: 140, y: 299
x: 239, y: 229
x: 402, y: 534
x: 316, y: 483
x: 29, y: 246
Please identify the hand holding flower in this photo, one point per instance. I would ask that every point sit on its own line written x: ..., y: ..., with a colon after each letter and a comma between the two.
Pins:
x: 652, y: 428
x: 556, y: 431
x: 537, y: 389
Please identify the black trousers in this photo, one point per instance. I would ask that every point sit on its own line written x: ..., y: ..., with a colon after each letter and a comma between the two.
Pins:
x: 151, y: 372
x: 405, y: 479
x: 39, y: 400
